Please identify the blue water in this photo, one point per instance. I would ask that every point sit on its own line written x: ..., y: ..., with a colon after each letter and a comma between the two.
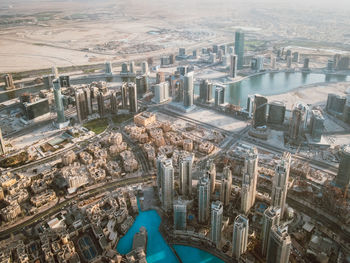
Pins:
x: 158, y: 250
x: 191, y: 255
x: 272, y: 83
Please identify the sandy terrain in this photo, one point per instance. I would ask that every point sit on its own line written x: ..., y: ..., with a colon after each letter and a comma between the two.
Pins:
x: 315, y: 94
x: 213, y: 118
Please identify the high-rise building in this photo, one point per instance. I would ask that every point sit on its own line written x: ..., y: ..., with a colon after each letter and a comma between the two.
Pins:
x: 185, y: 173
x: 64, y: 81
x: 239, y: 48
x: 289, y: 61
x: 114, y: 102
x: 298, y: 123
x: 81, y: 105
x: 161, y: 92
x: 160, y: 160
x: 47, y: 80
x: 101, y: 105
x: 188, y: 90
x: 271, y: 218
x: 125, y: 69
x: 160, y: 77
x: 257, y: 63
x: 279, y: 245
x: 335, y: 104
x: 343, y: 176
x: 144, y: 67
x: 226, y: 186
x: 277, y: 112
x: 259, y: 109
x: 132, y: 97
x: 216, y: 222
x: 183, y: 70
x: 233, y: 66
x: 211, y: 172
x: 212, y: 58
x: 295, y: 57
x: 203, y: 199
x: 316, y: 125
x: 280, y: 182
x: 54, y: 72
x: 306, y: 64
x: 141, y: 85
x: 219, y: 96
x: 341, y: 62
x: 240, y: 236
x: 215, y: 48
x: 125, y: 99
x: 2, y: 144
x: 250, y: 177
x: 205, y: 91
x: 180, y: 215
x: 9, y: 84
x: 166, y: 183
x: 132, y: 67
x: 58, y: 101
x: 223, y: 48
x: 109, y: 68
x: 231, y: 50
x: 273, y: 62
x: 194, y: 54
x: 182, y: 52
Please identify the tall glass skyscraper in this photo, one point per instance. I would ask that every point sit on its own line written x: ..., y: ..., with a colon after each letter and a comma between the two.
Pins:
x: 216, y: 222
x: 239, y: 48
x: 179, y: 215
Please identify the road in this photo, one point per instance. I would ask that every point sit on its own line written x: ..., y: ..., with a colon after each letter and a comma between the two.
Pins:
x: 55, y: 209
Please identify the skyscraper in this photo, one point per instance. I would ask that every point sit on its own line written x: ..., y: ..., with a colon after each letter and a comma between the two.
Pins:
x: 216, y: 222
x: 279, y: 245
x: 161, y: 92
x: 211, y: 172
x: 343, y: 177
x: 219, y: 96
x: 58, y: 101
x: 81, y: 105
x: 132, y: 97
x: 54, y: 72
x: 205, y: 91
x: 226, y: 186
x: 125, y: 99
x: 180, y: 215
x: 240, y: 236
x: 109, y: 68
x: 271, y: 217
x: 144, y: 67
x: 316, y: 125
x: 298, y: 123
x: 141, y: 85
x: 160, y: 160
x: 203, y: 199
x: 167, y: 183
x: 280, y: 182
x: 132, y: 67
x: 260, y: 108
x: 233, y: 66
x: 185, y: 173
x: 239, y: 48
x: 9, y: 84
x: 250, y: 177
x: 306, y: 64
x: 188, y: 90
x: 2, y: 144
